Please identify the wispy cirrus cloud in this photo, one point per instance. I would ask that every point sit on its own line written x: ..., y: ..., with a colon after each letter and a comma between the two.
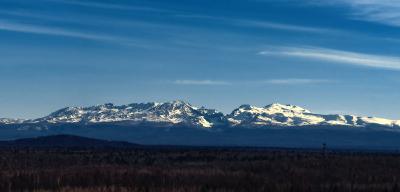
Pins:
x: 281, y: 26
x: 65, y: 32
x: 101, y: 5
x: 336, y: 56
x: 36, y: 29
x: 261, y: 24
x: 296, y: 81
x: 200, y: 82
x: 79, y: 19
x: 283, y: 81
x: 380, y: 11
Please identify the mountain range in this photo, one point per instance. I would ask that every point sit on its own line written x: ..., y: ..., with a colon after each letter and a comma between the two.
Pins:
x: 183, y: 113
x: 180, y: 123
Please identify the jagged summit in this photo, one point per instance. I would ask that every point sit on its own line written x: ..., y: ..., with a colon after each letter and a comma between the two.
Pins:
x: 277, y: 114
x: 174, y: 112
x: 273, y: 114
x: 245, y: 106
x: 285, y: 107
x: 179, y: 112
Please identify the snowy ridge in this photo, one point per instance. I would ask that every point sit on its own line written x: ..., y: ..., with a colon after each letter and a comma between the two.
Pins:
x: 291, y: 115
x: 183, y: 113
x: 176, y: 112
x: 11, y: 121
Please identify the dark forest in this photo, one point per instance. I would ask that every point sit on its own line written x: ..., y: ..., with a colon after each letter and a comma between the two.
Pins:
x: 196, y: 169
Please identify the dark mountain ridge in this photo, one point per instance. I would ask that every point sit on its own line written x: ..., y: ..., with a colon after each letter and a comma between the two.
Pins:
x: 65, y: 141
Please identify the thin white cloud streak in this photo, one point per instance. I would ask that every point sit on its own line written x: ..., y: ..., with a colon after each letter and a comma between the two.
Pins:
x: 261, y: 24
x: 110, y: 6
x: 62, y: 32
x: 200, y: 82
x: 296, y: 81
x: 85, y: 20
x: 380, y: 11
x: 287, y: 81
x: 336, y: 56
x: 28, y: 28
x: 92, y: 21
x: 281, y: 26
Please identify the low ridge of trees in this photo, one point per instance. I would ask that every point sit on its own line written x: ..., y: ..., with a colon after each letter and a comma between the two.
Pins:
x: 195, y: 170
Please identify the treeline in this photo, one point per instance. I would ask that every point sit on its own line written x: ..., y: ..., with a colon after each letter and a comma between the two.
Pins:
x: 196, y: 170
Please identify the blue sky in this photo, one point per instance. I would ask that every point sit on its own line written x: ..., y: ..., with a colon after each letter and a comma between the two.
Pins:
x: 340, y: 56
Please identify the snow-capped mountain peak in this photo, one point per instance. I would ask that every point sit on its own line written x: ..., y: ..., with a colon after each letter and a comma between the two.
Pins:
x: 175, y: 112
x: 277, y: 107
x: 291, y: 115
x: 273, y: 114
x: 182, y: 113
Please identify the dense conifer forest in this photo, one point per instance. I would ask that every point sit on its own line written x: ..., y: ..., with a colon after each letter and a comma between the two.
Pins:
x: 196, y: 169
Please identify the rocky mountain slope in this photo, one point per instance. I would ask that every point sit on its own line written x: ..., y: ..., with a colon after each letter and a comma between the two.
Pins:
x: 182, y: 113
x: 291, y: 115
x: 168, y: 113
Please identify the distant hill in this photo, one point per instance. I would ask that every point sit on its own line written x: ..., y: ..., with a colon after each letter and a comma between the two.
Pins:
x: 66, y: 141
